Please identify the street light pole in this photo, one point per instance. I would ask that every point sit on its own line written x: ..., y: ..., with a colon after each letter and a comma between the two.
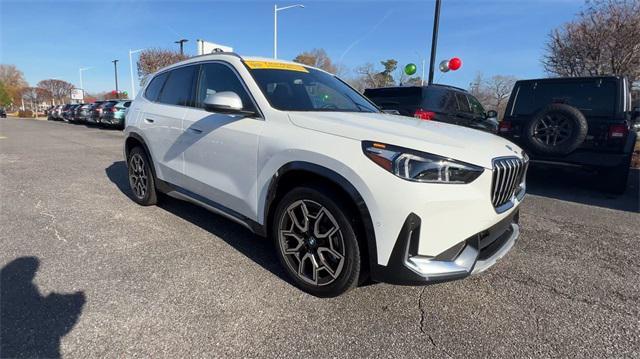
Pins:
x: 275, y: 25
x: 115, y: 69
x: 81, y: 84
x: 434, y: 41
x: 133, y: 86
x: 181, y: 42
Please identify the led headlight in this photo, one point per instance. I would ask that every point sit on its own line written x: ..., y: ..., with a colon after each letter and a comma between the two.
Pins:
x: 419, y: 166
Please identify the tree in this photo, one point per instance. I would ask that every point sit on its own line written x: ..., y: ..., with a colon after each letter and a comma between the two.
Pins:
x: 369, y: 76
x: 5, y: 98
x: 494, y: 92
x: 603, y: 40
x: 59, y: 90
x: 13, y: 81
x: 317, y: 58
x: 152, y: 60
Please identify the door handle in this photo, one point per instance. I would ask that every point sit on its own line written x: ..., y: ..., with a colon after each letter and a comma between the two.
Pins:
x: 148, y: 120
x: 193, y: 130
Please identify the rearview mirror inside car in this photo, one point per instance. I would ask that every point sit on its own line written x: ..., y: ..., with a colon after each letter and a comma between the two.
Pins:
x: 492, y: 114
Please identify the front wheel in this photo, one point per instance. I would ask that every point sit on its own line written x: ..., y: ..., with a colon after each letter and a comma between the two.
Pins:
x: 316, y: 242
x: 141, y: 179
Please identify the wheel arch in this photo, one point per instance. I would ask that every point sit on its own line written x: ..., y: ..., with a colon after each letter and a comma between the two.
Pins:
x: 299, y: 172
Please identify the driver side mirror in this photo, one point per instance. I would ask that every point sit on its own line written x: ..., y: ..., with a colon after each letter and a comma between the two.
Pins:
x: 225, y: 102
x: 492, y: 114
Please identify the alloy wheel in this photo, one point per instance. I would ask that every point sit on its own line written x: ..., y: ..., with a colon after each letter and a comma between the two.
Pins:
x: 311, y: 242
x: 552, y: 129
x: 138, y: 178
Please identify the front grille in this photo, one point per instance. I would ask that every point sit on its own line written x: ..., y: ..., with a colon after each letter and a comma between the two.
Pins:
x: 508, y: 175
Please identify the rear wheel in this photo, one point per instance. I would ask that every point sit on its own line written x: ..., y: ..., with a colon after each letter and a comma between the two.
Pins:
x: 316, y: 242
x: 141, y: 179
x: 556, y: 130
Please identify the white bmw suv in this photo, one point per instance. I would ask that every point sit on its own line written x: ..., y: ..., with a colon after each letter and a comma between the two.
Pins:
x: 346, y: 192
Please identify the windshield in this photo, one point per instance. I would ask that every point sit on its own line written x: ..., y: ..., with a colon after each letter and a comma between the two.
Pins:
x: 291, y: 87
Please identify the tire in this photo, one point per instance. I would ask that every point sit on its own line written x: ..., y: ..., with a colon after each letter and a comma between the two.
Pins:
x: 141, y: 180
x: 557, y: 130
x: 614, y: 180
x: 321, y: 264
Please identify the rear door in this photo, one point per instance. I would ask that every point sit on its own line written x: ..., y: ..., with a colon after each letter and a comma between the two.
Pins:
x: 168, y: 96
x: 463, y: 115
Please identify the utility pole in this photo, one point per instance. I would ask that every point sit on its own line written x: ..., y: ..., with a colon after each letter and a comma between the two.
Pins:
x: 181, y: 43
x: 275, y: 25
x: 434, y: 41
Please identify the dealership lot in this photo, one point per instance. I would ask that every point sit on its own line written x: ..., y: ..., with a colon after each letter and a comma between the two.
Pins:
x: 176, y: 280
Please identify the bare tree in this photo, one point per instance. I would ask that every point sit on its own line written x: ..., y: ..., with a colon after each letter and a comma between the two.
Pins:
x: 604, y: 39
x: 152, y: 60
x: 493, y: 93
x: 317, y: 58
x: 59, y: 90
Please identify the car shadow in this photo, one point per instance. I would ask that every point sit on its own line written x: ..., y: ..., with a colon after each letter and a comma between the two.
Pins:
x: 256, y: 248
x: 582, y: 187
x: 32, y: 325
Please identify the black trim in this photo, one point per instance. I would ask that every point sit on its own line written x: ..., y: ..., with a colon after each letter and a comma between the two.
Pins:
x: 339, y: 180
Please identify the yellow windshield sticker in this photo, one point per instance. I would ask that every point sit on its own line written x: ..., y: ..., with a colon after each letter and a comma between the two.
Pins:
x: 272, y: 65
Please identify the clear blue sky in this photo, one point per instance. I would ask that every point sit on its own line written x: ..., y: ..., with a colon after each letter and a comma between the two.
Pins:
x: 52, y: 39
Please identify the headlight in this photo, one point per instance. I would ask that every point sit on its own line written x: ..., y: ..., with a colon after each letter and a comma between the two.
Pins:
x: 419, y: 166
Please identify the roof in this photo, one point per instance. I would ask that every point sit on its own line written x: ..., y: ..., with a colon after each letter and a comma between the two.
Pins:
x: 554, y: 79
x: 432, y: 85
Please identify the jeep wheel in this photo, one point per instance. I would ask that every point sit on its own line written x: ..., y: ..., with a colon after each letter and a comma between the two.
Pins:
x: 141, y: 179
x: 556, y: 130
x: 316, y: 243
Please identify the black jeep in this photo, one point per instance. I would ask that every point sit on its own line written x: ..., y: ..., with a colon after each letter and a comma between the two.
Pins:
x: 578, y: 122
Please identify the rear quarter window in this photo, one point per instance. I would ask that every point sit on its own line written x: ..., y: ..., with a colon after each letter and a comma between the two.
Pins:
x: 153, y: 90
x: 403, y: 99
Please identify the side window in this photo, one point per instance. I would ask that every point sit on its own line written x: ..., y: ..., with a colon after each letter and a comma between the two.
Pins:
x: 476, y: 106
x: 463, y: 104
x: 217, y: 77
x: 179, y: 87
x: 153, y: 90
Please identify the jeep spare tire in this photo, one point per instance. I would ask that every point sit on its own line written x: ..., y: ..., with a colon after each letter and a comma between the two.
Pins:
x: 558, y: 129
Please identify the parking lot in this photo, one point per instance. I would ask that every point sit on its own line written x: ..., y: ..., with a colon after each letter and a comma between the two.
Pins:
x: 176, y: 280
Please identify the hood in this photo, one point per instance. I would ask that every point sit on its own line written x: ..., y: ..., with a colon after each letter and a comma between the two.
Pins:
x: 455, y: 142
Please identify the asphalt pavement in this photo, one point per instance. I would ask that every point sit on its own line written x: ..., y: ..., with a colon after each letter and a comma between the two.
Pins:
x: 88, y: 273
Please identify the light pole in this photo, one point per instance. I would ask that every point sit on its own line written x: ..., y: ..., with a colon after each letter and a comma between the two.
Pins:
x: 434, y: 41
x: 81, y: 85
x: 275, y: 25
x: 133, y: 86
x: 181, y: 43
x: 115, y: 69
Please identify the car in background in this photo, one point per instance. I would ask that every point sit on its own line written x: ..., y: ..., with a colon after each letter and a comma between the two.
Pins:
x: 3, y: 113
x: 114, y: 114
x: 95, y: 112
x: 84, y: 112
x: 65, y: 112
x: 580, y: 122
x: 76, y: 113
x: 54, y: 113
x: 437, y: 103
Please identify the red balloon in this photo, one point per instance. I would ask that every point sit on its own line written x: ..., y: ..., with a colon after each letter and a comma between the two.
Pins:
x: 455, y: 63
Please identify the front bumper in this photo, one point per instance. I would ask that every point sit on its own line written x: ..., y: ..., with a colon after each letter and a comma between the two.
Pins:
x: 474, y: 255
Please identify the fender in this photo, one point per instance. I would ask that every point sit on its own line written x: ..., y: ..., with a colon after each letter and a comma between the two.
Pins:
x: 343, y: 183
x: 161, y: 185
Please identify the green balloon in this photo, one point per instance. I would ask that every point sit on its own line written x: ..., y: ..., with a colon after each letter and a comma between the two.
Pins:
x: 410, y: 69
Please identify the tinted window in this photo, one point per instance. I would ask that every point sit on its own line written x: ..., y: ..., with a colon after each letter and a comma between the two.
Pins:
x: 217, y: 77
x: 476, y: 106
x: 463, y: 103
x: 153, y: 90
x: 405, y: 100
x: 595, y: 97
x: 178, y: 89
x: 437, y: 99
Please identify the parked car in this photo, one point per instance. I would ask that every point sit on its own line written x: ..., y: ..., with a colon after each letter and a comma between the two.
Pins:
x: 575, y: 122
x: 3, y: 113
x: 76, y: 113
x: 114, y: 114
x: 345, y: 191
x: 83, y: 112
x: 65, y: 112
x: 435, y: 102
x: 96, y: 112
x: 55, y: 113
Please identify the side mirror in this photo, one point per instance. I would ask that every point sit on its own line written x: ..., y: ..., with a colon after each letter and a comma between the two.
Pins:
x: 225, y: 102
x: 492, y: 114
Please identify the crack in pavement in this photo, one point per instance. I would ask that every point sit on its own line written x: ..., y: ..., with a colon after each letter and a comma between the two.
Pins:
x: 422, y: 324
